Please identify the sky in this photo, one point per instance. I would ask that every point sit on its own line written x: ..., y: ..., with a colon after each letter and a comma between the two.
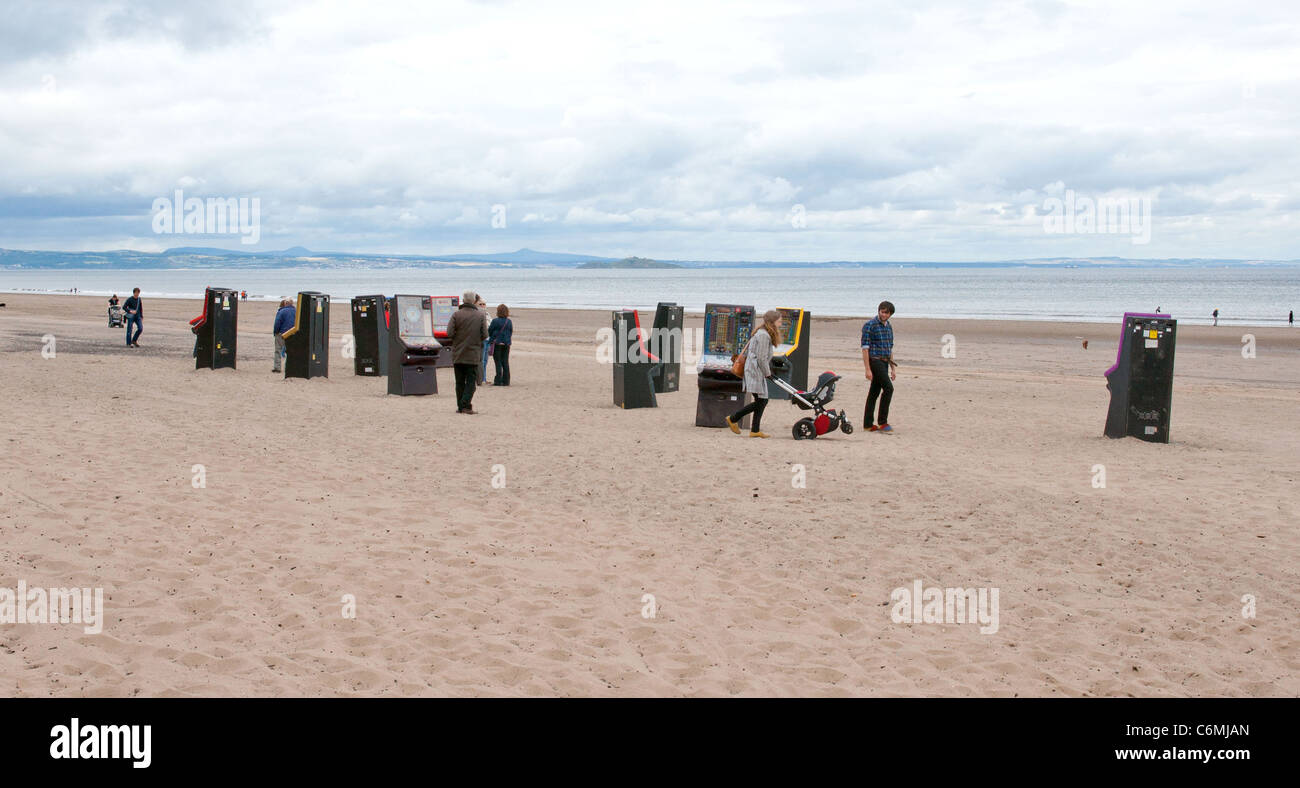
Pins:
x: 924, y: 130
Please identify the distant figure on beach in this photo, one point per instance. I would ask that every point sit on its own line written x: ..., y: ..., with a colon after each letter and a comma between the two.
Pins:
x: 112, y: 300
x: 467, y: 331
x: 500, y: 331
x: 1290, y: 318
x: 878, y: 358
x: 243, y: 295
x: 1158, y: 310
x: 134, y: 308
x: 487, y: 321
x: 1216, y: 317
x: 284, y: 319
x: 758, y: 368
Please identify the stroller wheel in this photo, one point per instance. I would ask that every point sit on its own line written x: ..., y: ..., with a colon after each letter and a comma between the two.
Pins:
x: 803, y: 428
x: 846, y: 428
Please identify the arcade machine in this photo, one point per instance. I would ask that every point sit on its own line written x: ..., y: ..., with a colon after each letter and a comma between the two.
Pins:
x: 443, y: 308
x: 307, y: 344
x: 635, y: 367
x: 667, y: 333
x: 370, y: 333
x: 216, y: 329
x: 726, y: 332
x: 412, y: 347
x: 790, y: 356
x: 1141, y: 382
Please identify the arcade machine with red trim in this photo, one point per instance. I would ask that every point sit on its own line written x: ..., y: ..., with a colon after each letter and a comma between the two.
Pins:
x: 443, y: 308
x: 634, y: 365
x: 666, y: 340
x: 216, y: 330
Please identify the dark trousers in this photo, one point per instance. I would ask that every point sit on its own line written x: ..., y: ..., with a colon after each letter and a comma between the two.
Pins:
x: 138, y: 322
x: 881, y: 386
x: 501, y: 359
x: 466, y: 382
x: 756, y: 408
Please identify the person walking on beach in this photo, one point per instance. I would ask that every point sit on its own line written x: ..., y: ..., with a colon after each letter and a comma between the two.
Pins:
x: 1216, y: 317
x: 878, y: 358
x: 500, y: 331
x: 1290, y: 318
x: 758, y: 368
x: 284, y: 320
x: 134, y: 308
x: 466, y: 331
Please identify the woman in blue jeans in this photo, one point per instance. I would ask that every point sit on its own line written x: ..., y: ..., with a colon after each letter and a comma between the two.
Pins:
x: 500, y: 332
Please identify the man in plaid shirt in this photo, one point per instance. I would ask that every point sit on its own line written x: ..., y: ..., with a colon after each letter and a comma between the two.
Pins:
x: 878, y: 358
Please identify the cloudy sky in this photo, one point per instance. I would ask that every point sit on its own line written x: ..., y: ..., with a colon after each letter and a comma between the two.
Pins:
x: 924, y: 130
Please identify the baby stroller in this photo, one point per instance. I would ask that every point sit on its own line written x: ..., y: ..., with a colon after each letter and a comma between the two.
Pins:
x: 116, y: 319
x: 824, y: 419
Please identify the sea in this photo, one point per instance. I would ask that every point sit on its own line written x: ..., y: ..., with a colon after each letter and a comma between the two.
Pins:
x: 1249, y: 295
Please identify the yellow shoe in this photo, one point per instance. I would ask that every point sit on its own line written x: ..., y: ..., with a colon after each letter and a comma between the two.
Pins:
x: 733, y: 425
x: 759, y: 435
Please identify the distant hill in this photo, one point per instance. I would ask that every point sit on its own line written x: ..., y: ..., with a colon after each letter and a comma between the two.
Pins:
x: 631, y: 262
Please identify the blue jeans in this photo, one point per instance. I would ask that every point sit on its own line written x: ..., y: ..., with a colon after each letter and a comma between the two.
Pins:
x: 138, y: 322
x: 482, y: 362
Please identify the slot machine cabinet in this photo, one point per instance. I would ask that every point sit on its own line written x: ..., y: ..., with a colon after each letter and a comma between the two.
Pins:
x: 307, y: 344
x: 726, y: 332
x: 634, y: 365
x: 790, y: 356
x: 413, y: 349
x: 217, y: 329
x: 443, y: 308
x: 666, y: 339
x: 370, y: 335
x: 1141, y: 382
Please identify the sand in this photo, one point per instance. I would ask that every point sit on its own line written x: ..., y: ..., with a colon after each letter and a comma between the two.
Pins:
x: 323, y: 488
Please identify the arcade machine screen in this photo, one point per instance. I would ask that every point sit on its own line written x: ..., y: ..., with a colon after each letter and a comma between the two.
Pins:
x: 443, y: 308
x: 726, y: 332
x: 789, y: 326
x: 415, y: 320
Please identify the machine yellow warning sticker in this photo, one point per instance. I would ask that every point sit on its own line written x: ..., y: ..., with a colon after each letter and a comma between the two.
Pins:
x: 1153, y: 334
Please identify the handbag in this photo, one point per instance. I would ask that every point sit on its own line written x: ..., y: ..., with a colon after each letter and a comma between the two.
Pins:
x: 738, y: 361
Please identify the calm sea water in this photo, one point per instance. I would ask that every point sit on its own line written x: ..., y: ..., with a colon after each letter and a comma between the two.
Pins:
x: 1243, y: 295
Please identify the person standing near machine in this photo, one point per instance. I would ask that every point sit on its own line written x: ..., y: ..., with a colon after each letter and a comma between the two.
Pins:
x: 500, y: 331
x: 134, y: 308
x: 758, y: 368
x: 284, y: 320
x: 467, y: 331
x: 878, y: 358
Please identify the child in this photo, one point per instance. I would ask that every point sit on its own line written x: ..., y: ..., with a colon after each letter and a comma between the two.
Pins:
x: 878, y: 358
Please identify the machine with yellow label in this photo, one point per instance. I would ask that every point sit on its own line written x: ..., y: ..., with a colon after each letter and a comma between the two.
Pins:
x: 216, y: 330
x: 307, y: 344
x: 1141, y: 382
x: 790, y: 356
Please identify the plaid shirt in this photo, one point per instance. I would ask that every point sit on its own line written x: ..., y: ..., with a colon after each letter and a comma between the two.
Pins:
x: 878, y: 337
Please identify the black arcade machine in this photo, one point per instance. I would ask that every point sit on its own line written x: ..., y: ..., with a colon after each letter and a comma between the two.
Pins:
x: 412, y: 347
x: 726, y: 332
x: 370, y: 335
x: 634, y: 365
x: 307, y: 344
x: 790, y: 356
x: 666, y: 341
x: 1141, y: 382
x: 443, y: 308
x: 216, y: 330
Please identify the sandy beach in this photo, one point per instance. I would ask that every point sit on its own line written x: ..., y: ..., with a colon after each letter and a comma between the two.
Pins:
x: 324, y: 488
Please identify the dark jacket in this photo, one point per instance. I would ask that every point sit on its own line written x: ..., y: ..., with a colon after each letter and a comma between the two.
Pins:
x: 501, y: 330
x: 466, y: 333
x: 134, y: 304
x: 284, y: 317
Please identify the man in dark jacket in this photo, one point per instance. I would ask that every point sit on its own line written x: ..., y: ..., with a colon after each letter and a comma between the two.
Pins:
x: 134, y: 309
x: 284, y: 319
x: 466, y: 333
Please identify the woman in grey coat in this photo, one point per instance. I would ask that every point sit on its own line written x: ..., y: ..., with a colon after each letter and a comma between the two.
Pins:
x: 758, y: 368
